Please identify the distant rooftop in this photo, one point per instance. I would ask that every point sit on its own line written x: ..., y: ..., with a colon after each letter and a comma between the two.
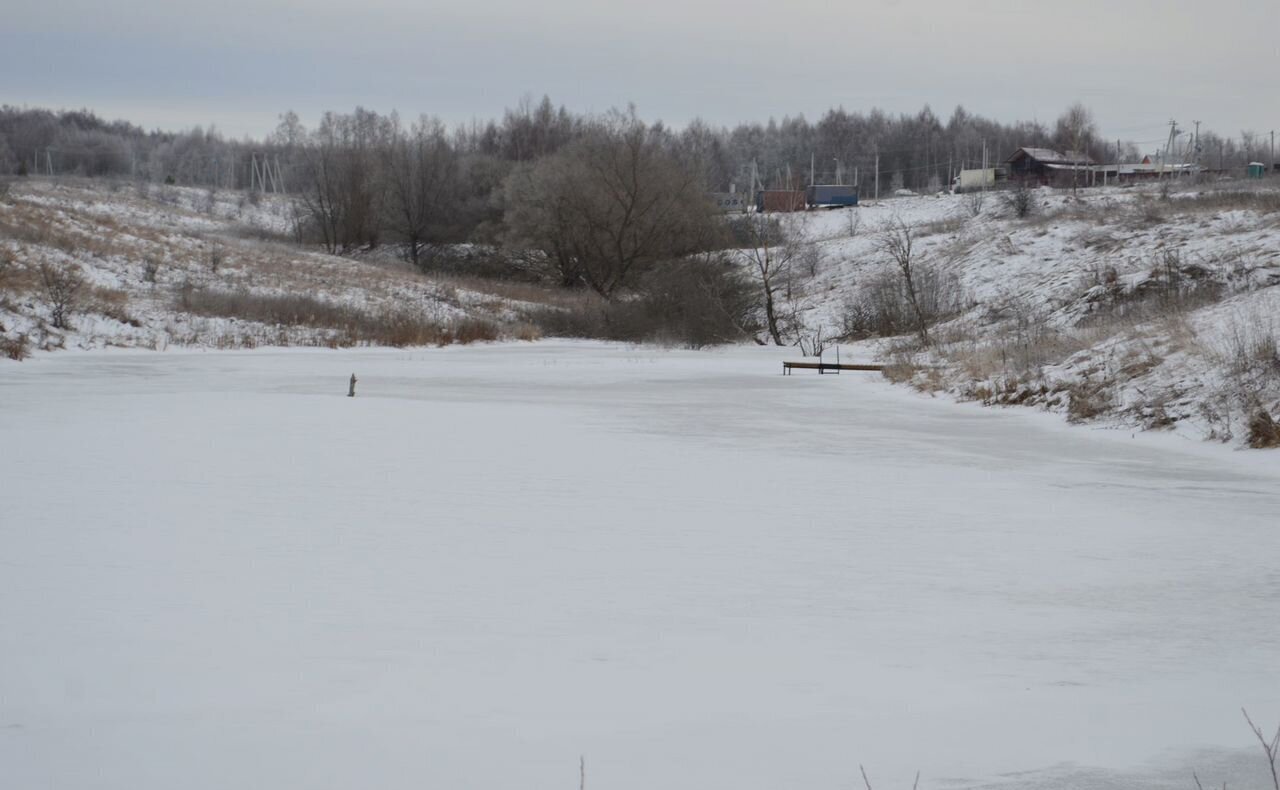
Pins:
x: 1050, y: 156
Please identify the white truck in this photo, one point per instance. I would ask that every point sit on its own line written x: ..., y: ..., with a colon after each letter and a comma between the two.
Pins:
x: 970, y: 180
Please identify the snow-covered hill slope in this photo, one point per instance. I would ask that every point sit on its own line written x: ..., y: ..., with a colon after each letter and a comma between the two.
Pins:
x: 1150, y: 307
x: 160, y: 265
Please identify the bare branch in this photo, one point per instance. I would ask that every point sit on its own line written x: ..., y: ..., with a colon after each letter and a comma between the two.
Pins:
x: 1272, y: 748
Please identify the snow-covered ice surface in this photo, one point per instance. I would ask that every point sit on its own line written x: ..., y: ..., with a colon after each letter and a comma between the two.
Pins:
x: 216, y: 571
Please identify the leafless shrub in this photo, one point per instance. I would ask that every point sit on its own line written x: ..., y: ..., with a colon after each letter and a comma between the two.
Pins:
x: 7, y: 267
x: 974, y: 202
x: 693, y: 303
x: 110, y: 302
x: 1088, y: 399
x: 1147, y: 213
x: 1250, y: 348
x: 16, y: 348
x: 1270, y: 747
x: 1171, y: 288
x: 909, y: 295
x: 62, y: 285
x: 216, y: 256
x: 1019, y: 199
x: 1263, y: 431
x: 855, y: 222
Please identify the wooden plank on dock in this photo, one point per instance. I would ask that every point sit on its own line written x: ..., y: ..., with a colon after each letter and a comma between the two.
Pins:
x: 824, y: 367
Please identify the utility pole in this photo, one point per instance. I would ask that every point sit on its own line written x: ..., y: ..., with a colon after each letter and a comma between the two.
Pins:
x: 1273, y: 150
x: 984, y: 165
x: 1168, y: 147
x: 877, y: 172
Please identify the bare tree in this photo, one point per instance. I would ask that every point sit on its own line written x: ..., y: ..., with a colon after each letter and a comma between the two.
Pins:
x: 772, y: 256
x: 422, y: 171
x: 897, y: 241
x: 1076, y: 131
x: 62, y: 285
x: 605, y: 208
x: 341, y: 188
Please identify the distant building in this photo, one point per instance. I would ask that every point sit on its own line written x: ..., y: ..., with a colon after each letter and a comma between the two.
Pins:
x: 831, y: 196
x: 768, y: 200
x: 730, y: 202
x: 1146, y: 170
x: 1049, y: 167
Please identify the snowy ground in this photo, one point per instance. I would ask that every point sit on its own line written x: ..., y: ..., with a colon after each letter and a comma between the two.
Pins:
x: 218, y: 572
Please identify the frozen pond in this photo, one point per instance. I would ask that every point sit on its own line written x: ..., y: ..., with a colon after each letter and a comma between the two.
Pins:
x: 216, y: 571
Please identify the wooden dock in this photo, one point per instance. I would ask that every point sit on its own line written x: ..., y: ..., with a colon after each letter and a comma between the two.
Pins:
x: 827, y: 367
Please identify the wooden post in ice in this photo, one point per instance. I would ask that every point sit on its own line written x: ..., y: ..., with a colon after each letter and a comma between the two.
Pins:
x: 351, y: 388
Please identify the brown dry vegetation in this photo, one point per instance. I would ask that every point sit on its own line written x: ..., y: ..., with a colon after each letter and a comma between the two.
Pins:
x: 348, y: 325
x: 229, y: 273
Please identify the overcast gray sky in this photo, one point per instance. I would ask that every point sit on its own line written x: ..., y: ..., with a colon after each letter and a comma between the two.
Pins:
x: 240, y: 63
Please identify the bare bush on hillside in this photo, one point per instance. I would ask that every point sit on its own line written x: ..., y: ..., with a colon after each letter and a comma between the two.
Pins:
x: 696, y: 302
x: 62, y: 286
x: 974, y: 201
x: 882, y: 307
x: 911, y: 294
x: 1020, y: 199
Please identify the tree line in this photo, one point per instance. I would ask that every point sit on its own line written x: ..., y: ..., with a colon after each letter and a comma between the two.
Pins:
x: 609, y: 204
x: 917, y: 151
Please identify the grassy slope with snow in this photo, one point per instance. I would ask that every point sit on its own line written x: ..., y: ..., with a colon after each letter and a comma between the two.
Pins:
x: 1078, y: 282
x: 137, y: 249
